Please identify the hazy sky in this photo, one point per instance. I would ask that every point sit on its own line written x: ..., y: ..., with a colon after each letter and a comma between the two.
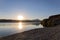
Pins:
x: 30, y: 9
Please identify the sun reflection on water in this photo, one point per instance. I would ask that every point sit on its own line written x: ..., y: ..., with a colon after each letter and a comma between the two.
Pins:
x: 20, y: 26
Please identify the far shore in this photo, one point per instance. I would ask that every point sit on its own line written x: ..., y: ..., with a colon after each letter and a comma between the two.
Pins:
x: 9, y: 20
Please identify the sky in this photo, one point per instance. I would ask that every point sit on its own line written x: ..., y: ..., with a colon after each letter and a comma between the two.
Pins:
x: 30, y: 9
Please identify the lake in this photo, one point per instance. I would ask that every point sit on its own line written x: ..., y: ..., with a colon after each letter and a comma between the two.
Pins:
x: 12, y: 28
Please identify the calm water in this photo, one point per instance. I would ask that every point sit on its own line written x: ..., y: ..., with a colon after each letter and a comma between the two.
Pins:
x: 12, y: 28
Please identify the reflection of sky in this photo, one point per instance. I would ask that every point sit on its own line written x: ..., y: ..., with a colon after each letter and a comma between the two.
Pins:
x: 12, y: 28
x: 29, y: 8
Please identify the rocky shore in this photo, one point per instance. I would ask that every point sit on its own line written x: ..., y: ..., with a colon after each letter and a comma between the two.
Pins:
x: 51, y: 21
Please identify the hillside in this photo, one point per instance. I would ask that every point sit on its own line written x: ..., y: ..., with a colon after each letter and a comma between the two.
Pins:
x: 50, y: 33
x: 51, y: 21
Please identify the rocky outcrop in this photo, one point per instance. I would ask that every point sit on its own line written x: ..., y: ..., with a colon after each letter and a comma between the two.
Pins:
x: 51, y: 21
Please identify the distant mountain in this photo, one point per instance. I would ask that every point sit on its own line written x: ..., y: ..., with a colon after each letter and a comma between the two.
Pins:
x: 50, y: 33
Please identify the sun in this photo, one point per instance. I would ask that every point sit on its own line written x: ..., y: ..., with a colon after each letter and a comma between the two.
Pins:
x: 20, y: 17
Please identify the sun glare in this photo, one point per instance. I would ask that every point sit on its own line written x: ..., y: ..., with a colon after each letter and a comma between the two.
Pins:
x: 20, y: 17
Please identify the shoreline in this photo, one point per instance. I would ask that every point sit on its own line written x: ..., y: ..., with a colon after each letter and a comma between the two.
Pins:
x: 49, y: 33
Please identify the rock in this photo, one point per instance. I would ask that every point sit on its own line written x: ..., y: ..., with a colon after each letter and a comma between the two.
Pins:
x: 51, y: 21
